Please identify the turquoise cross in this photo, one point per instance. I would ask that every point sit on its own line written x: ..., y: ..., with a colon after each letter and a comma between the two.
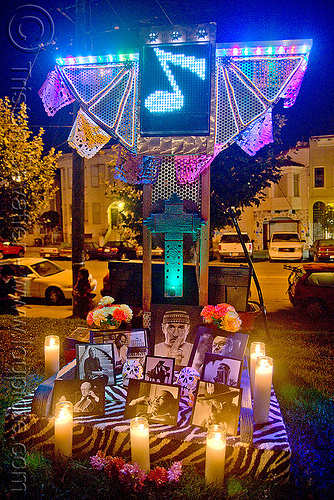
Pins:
x: 174, y: 222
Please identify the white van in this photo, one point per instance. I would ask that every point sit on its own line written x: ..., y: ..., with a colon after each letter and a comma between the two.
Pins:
x: 285, y: 245
x: 230, y: 246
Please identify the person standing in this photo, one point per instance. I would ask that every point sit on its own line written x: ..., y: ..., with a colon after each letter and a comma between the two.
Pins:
x: 8, y: 296
x: 82, y: 294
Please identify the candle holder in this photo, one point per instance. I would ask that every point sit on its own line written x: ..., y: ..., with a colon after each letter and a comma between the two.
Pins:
x: 63, y: 429
x: 256, y: 349
x: 140, y: 442
x: 215, y: 454
x: 262, y: 389
x: 51, y: 355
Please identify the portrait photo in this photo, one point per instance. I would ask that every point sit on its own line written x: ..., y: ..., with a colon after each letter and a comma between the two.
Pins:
x: 160, y: 370
x: 217, y: 404
x: 95, y: 362
x: 222, y: 370
x: 173, y: 331
x: 158, y: 403
x: 207, y: 340
x: 87, y: 397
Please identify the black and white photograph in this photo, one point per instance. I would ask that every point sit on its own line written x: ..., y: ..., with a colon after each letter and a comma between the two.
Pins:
x: 95, y: 362
x: 87, y: 397
x: 217, y: 404
x: 231, y: 346
x: 157, y: 402
x: 160, y: 370
x: 174, y: 330
x: 222, y: 370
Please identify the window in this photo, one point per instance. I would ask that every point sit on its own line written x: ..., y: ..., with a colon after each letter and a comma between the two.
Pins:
x: 319, y: 177
x: 96, y: 212
x: 95, y: 175
x: 296, y: 185
x: 281, y: 189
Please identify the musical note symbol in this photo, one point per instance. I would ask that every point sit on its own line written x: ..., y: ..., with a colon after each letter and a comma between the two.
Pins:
x: 162, y: 101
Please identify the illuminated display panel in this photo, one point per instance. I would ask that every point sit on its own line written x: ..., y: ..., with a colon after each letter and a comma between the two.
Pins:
x: 175, y: 90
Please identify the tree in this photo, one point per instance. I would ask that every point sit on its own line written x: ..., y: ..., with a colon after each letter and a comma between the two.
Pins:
x: 327, y: 219
x: 26, y: 173
x: 239, y: 180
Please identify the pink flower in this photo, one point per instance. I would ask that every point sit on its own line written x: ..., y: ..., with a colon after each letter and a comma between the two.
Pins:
x: 174, y: 472
x: 133, y: 475
x: 98, y: 461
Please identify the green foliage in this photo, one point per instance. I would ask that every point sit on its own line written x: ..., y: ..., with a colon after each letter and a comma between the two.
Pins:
x: 239, y: 180
x: 327, y: 219
x: 26, y: 173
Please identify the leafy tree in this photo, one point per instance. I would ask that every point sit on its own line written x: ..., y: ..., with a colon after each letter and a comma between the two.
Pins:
x: 239, y: 180
x: 327, y: 219
x: 50, y: 220
x: 26, y: 175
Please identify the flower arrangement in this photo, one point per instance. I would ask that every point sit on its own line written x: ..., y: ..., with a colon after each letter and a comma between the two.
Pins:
x: 107, y: 313
x: 224, y: 316
x: 131, y: 475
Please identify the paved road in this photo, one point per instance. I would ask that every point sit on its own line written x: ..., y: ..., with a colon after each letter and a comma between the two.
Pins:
x: 271, y: 275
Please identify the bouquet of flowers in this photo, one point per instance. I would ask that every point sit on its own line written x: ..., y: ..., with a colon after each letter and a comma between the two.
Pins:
x: 224, y: 316
x: 107, y: 313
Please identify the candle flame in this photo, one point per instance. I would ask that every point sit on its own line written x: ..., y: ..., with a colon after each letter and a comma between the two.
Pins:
x: 217, y: 436
x: 64, y: 414
x: 52, y: 341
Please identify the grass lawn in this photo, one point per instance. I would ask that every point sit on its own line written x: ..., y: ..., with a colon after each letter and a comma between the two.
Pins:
x: 303, y: 381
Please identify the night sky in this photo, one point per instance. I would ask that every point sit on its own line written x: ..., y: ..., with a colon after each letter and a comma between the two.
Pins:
x: 114, y: 25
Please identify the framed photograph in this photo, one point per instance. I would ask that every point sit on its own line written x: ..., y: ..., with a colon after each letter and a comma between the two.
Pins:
x: 173, y: 331
x: 222, y: 370
x: 160, y: 370
x: 157, y: 402
x: 207, y: 340
x: 87, y: 397
x: 217, y: 404
x: 95, y: 362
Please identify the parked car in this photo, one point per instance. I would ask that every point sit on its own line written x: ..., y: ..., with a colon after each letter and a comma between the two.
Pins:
x: 156, y: 252
x: 322, y: 251
x: 42, y: 278
x: 119, y: 250
x: 230, y: 246
x: 286, y: 245
x: 11, y: 249
x: 64, y: 251
x: 311, y: 288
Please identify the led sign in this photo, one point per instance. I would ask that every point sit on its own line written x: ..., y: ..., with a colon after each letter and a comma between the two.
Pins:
x: 175, y: 90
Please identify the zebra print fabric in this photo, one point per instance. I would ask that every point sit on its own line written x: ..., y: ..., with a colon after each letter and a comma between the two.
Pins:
x: 268, y: 456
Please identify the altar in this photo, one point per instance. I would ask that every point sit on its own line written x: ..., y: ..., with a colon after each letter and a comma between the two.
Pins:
x: 260, y: 450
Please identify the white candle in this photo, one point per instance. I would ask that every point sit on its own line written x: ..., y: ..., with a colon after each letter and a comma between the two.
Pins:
x: 256, y: 349
x: 51, y: 354
x: 63, y: 429
x: 140, y: 448
x: 262, y: 388
x: 215, y: 455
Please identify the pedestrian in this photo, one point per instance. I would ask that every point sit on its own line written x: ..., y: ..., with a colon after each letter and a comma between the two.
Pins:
x: 8, y: 296
x: 83, y: 294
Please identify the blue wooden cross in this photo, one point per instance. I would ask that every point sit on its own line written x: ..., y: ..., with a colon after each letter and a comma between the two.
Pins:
x: 174, y: 222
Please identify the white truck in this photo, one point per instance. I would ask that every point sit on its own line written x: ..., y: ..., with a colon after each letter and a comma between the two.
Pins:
x: 230, y: 246
x: 286, y: 245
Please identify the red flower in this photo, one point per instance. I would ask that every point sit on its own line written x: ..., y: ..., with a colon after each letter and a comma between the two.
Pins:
x: 113, y: 466
x: 158, y: 475
x: 119, y: 315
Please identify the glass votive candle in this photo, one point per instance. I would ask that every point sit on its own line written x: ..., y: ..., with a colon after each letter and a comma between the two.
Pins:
x: 256, y: 349
x: 63, y: 429
x: 51, y: 355
x: 140, y: 442
x: 262, y: 389
x: 215, y: 454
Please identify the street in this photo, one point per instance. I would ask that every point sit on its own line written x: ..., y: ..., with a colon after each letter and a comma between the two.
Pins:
x: 271, y: 275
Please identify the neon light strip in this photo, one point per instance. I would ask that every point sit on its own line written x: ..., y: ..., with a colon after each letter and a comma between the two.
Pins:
x: 111, y: 58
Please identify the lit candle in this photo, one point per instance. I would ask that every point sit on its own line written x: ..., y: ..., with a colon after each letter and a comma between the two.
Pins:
x: 63, y: 429
x: 256, y: 349
x: 51, y: 353
x: 215, y: 455
x: 140, y: 449
x: 262, y: 388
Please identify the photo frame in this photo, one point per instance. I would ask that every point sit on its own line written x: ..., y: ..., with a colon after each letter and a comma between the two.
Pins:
x: 208, y: 340
x: 222, y: 370
x: 217, y: 404
x: 95, y: 361
x: 87, y: 397
x: 159, y: 403
x: 164, y: 339
x: 134, y: 338
x: 159, y: 370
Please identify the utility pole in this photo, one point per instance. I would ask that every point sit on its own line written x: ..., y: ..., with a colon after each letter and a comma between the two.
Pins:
x: 78, y: 163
